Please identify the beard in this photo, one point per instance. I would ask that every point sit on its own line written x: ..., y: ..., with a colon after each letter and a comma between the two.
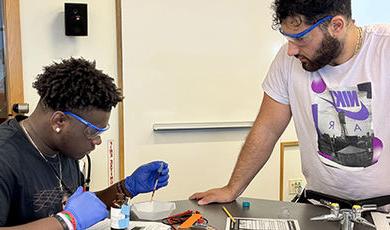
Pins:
x: 329, y: 50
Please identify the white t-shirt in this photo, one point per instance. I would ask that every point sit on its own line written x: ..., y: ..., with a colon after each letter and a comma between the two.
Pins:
x: 342, y: 117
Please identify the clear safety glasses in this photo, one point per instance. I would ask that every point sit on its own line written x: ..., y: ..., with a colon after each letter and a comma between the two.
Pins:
x: 91, y: 131
x: 299, y: 37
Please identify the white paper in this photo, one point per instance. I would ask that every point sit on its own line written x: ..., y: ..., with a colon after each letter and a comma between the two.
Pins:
x: 139, y: 225
x: 381, y: 220
x: 144, y: 225
x: 263, y: 224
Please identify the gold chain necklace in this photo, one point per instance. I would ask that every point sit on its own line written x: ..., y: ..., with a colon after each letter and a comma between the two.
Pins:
x: 359, y: 41
x: 43, y: 156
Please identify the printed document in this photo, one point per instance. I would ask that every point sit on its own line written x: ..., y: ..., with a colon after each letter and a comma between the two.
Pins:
x: 261, y: 224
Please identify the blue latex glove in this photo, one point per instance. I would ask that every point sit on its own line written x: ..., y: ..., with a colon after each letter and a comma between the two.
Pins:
x: 86, y: 208
x: 144, y: 177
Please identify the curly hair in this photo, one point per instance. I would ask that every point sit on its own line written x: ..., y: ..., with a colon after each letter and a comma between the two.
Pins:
x: 312, y: 10
x: 75, y: 84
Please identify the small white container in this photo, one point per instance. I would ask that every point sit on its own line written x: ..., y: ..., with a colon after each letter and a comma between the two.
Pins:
x: 153, y: 210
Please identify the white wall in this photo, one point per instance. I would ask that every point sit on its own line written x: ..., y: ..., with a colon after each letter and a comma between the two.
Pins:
x: 370, y: 12
x: 196, y: 61
x: 44, y: 40
x: 200, y: 61
x: 292, y: 171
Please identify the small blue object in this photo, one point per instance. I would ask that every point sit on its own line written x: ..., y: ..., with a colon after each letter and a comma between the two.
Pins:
x: 246, y: 204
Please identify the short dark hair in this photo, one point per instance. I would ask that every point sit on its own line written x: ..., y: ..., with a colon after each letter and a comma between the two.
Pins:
x: 76, y: 84
x: 312, y: 10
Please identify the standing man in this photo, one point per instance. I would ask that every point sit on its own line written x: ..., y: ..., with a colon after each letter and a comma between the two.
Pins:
x: 39, y: 154
x: 333, y: 77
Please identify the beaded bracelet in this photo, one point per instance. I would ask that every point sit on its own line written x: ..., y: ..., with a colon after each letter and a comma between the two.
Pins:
x: 70, y: 217
x: 66, y: 224
x: 62, y: 222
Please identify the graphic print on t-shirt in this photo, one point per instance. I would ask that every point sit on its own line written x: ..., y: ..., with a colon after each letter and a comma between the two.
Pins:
x: 343, y: 120
x: 49, y: 202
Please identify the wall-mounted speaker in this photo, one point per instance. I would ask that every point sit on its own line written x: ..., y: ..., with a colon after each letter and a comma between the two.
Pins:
x: 76, y: 19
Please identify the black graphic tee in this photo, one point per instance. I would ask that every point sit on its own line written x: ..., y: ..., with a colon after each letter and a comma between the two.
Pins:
x: 29, y: 188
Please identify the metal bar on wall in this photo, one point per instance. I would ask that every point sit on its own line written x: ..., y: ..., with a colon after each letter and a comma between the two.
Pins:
x: 201, y: 126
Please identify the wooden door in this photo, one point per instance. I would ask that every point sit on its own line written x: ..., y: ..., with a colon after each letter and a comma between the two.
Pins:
x: 11, y: 74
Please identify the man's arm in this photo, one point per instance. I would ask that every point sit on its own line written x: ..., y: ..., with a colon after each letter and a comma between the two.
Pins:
x: 76, y: 214
x: 109, y: 194
x: 49, y: 223
x: 270, y: 123
x: 142, y: 180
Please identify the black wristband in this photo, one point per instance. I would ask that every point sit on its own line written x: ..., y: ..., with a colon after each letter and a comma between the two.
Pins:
x: 62, y: 222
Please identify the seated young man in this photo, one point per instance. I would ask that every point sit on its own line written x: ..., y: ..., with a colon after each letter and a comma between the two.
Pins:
x: 39, y: 154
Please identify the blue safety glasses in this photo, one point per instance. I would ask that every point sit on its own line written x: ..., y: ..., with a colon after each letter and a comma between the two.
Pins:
x: 91, y: 131
x: 294, y: 37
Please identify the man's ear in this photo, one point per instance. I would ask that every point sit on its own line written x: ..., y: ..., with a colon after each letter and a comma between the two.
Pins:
x: 57, y: 121
x: 337, y: 26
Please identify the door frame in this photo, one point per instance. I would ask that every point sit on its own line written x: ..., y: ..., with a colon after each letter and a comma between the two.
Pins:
x: 118, y: 17
x: 13, y: 54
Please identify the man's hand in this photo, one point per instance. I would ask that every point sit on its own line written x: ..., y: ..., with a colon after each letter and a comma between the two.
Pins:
x: 86, y: 208
x: 218, y: 195
x: 144, y: 178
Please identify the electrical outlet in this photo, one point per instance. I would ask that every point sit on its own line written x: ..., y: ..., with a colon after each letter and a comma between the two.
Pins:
x: 295, y: 186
